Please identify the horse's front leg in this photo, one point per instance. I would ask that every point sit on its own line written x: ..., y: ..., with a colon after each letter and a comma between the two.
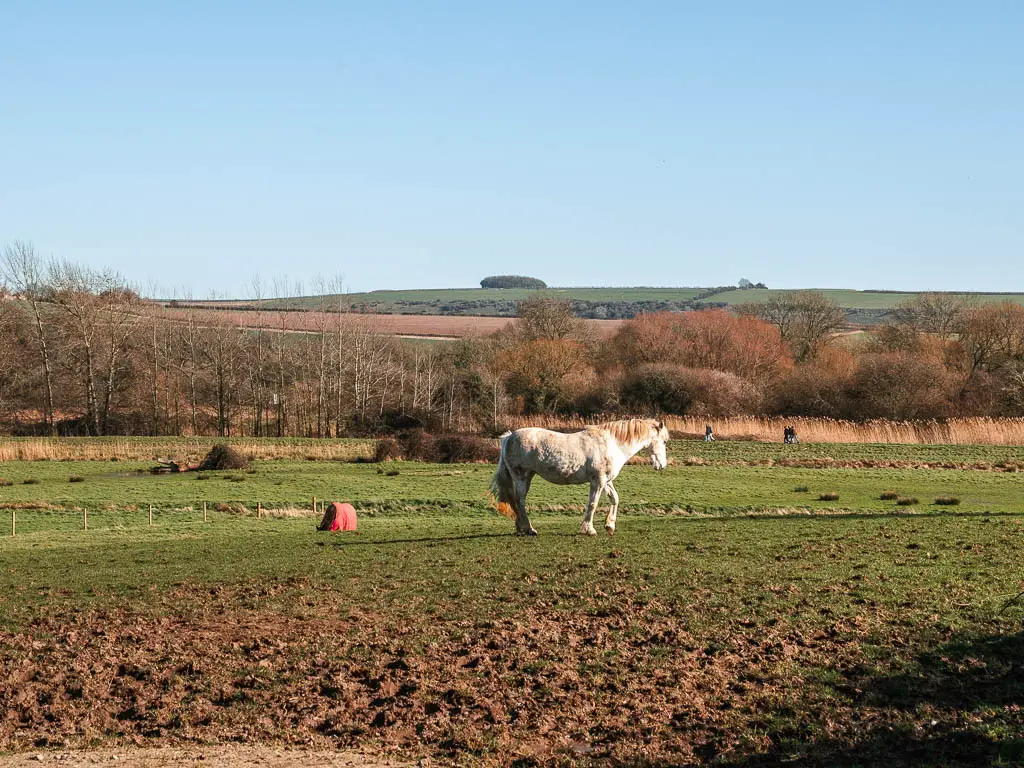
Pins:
x: 587, y: 526
x: 613, y: 508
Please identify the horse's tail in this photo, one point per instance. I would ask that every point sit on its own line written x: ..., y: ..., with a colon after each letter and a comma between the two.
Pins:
x: 503, y: 488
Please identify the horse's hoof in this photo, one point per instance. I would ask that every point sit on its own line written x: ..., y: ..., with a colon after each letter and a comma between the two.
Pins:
x: 531, y: 532
x: 610, y: 529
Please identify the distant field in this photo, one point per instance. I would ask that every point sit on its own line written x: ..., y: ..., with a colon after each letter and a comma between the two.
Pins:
x: 849, y: 299
x: 477, y: 305
x: 436, y: 326
x: 443, y: 295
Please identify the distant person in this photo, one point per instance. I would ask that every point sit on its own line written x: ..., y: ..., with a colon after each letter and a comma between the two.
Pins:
x: 789, y: 436
x: 708, y: 435
x: 786, y: 434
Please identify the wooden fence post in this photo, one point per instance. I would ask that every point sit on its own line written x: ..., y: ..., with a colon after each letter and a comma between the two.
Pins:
x: 14, y: 522
x: 85, y: 518
x: 150, y: 514
x: 259, y: 510
x: 314, y: 506
x: 204, y: 511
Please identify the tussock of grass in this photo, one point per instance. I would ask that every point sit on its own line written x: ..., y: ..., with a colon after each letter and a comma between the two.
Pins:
x: 4, y: 483
x: 76, y: 479
x: 889, y: 496
x: 801, y: 489
x: 907, y: 501
x: 234, y: 509
x: 830, y: 496
x: 30, y: 481
x: 947, y: 501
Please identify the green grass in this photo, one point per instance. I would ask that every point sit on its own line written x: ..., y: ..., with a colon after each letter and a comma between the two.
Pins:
x: 722, y: 486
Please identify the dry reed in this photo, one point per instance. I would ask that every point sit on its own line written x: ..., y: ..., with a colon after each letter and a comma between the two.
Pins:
x: 968, y: 431
x: 186, y: 448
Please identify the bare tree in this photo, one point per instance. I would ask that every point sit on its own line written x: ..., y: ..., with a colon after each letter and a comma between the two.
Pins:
x: 940, y: 314
x: 28, y: 278
x: 805, y: 319
x: 544, y: 317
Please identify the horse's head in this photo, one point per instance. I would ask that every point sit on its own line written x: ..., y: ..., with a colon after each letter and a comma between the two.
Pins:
x: 659, y: 440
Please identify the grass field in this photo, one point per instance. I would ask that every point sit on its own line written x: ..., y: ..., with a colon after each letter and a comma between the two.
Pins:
x: 733, y: 620
x: 852, y: 299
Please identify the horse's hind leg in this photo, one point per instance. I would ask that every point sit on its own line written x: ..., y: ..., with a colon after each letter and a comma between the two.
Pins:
x: 523, y: 526
x: 587, y: 526
x: 613, y: 508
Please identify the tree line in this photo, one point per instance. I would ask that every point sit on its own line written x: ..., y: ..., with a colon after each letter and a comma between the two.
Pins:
x: 82, y: 353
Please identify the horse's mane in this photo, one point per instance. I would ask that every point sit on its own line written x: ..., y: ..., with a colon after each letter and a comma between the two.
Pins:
x: 628, y: 431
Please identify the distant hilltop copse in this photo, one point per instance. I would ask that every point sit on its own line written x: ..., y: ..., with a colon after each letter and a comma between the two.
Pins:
x: 512, y: 281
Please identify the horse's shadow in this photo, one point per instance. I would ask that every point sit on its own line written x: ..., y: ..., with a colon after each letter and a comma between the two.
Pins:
x: 355, y: 542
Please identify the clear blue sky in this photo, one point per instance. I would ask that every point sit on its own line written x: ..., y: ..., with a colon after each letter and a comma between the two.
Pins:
x: 429, y: 143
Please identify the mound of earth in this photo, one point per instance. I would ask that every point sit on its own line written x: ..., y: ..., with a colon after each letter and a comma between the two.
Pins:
x: 221, y: 457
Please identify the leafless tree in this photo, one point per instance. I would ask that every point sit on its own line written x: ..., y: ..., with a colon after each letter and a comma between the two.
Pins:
x: 807, y: 320
x: 26, y: 275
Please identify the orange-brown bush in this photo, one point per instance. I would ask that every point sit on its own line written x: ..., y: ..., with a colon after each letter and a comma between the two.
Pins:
x: 714, y: 339
x: 818, y: 387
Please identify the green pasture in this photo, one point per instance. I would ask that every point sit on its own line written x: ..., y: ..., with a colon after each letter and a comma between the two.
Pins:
x: 721, y: 479
x: 849, y: 299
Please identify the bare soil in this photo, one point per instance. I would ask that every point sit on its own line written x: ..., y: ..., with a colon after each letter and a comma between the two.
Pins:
x: 211, y: 756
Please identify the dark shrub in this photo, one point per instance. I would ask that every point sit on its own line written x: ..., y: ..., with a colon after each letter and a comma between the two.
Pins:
x: 392, y: 473
x: 418, y: 445
x: 387, y: 449
x: 30, y: 481
x: 222, y: 456
x: 801, y: 489
x: 947, y: 501
x: 459, y: 449
x: 907, y: 501
x: 889, y: 495
x: 202, y: 476
x: 76, y: 479
x: 830, y: 496
x: 656, y: 389
x: 4, y: 483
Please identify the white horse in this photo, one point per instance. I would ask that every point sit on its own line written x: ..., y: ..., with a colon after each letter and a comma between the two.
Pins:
x: 594, y: 455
